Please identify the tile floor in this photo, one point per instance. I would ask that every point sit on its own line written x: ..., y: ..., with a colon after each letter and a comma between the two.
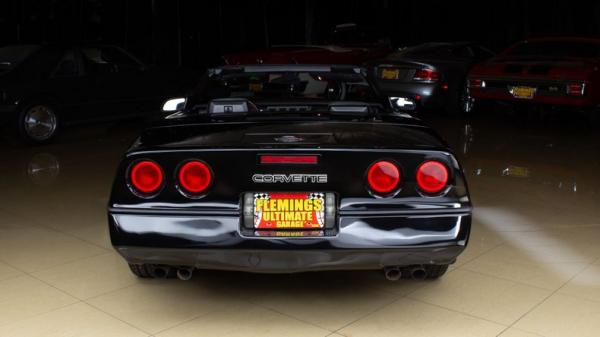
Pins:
x: 532, y: 267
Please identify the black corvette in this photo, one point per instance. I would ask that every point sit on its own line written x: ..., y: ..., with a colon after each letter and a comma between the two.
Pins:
x: 285, y: 169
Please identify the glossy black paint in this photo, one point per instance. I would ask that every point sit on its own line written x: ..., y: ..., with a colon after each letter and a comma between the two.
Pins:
x: 371, y: 232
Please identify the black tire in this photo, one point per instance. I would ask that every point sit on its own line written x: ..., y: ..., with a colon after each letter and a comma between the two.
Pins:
x: 152, y: 271
x: 41, y: 129
x: 141, y: 270
x: 460, y: 103
x: 435, y: 271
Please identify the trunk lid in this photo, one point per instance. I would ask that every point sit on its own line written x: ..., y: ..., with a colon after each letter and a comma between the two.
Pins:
x: 286, y: 134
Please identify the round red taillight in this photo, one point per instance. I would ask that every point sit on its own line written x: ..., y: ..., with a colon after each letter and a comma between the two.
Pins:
x: 383, y: 177
x: 194, y: 177
x: 146, y: 176
x: 432, y: 177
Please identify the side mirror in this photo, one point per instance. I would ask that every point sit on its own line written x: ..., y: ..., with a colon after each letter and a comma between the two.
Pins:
x: 174, y: 104
x: 402, y: 104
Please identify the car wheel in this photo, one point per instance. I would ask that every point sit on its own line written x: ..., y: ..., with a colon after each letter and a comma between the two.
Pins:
x: 465, y: 101
x: 140, y: 270
x: 435, y: 270
x: 38, y: 123
x: 460, y: 102
x: 152, y: 271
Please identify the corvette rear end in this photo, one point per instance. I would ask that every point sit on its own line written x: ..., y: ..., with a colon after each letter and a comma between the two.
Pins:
x: 271, y: 195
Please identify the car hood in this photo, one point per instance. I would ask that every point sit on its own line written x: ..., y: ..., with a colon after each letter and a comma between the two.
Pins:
x: 375, y: 135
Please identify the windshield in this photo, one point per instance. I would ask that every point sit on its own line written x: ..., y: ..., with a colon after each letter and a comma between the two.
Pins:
x: 12, y: 55
x: 558, y: 49
x: 286, y: 91
x: 287, y: 85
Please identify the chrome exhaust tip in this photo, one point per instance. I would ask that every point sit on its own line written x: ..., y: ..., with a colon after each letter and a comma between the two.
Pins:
x: 418, y: 273
x: 392, y: 273
x: 160, y: 271
x: 185, y: 274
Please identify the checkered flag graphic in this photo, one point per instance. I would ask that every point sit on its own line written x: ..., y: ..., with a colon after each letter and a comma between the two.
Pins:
x: 264, y: 196
x: 258, y: 214
x: 316, y: 196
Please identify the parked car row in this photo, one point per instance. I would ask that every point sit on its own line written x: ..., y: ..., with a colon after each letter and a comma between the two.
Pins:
x: 452, y: 77
x: 43, y: 88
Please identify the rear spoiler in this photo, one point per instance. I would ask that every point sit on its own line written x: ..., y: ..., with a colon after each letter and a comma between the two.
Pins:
x: 266, y: 68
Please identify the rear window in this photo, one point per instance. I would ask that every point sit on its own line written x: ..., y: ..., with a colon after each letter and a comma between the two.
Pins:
x: 260, y: 86
x: 557, y: 49
x: 10, y: 56
x: 426, y: 50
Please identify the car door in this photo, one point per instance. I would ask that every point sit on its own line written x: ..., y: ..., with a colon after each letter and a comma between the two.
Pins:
x: 72, y: 89
x: 118, y: 79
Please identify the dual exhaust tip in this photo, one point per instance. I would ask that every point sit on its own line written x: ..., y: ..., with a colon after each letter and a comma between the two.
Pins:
x: 396, y: 273
x: 183, y: 273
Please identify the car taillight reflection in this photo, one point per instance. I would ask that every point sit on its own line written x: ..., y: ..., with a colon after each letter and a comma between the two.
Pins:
x: 146, y: 177
x: 576, y: 89
x: 194, y: 177
x: 383, y: 177
x: 432, y: 177
x: 476, y: 83
x: 428, y: 75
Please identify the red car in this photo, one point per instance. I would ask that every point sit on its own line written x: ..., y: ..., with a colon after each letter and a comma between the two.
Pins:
x: 307, y: 54
x: 555, y: 71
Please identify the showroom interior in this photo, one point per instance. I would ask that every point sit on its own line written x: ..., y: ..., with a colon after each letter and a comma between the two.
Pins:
x: 511, y: 87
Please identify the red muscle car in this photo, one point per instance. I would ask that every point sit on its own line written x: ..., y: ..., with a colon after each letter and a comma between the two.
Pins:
x: 554, y: 71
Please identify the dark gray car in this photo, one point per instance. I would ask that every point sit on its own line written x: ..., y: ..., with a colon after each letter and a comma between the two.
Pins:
x: 428, y: 76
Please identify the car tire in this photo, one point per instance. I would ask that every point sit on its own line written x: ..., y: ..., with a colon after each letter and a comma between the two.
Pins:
x: 140, y: 270
x: 152, y: 271
x: 460, y: 102
x: 38, y: 123
x: 435, y: 271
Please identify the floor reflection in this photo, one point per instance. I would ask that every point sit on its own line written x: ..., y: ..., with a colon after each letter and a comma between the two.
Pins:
x: 533, y: 255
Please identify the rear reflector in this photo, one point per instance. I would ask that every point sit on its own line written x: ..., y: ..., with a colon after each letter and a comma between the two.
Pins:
x: 194, y: 177
x: 476, y: 83
x: 432, y: 177
x: 146, y: 177
x: 383, y: 177
x: 576, y: 89
x: 289, y: 159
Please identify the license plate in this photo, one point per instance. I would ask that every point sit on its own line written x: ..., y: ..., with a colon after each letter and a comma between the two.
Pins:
x: 390, y: 74
x: 516, y: 171
x: 289, y: 210
x: 523, y: 92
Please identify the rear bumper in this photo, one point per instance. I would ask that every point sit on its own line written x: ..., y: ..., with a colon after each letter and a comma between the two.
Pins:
x: 290, y: 260
x: 359, y: 242
x: 547, y: 92
x: 497, y: 95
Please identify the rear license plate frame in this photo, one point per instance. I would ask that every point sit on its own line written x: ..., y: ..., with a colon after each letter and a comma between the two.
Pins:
x: 522, y: 91
x: 248, y: 206
x: 390, y: 74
